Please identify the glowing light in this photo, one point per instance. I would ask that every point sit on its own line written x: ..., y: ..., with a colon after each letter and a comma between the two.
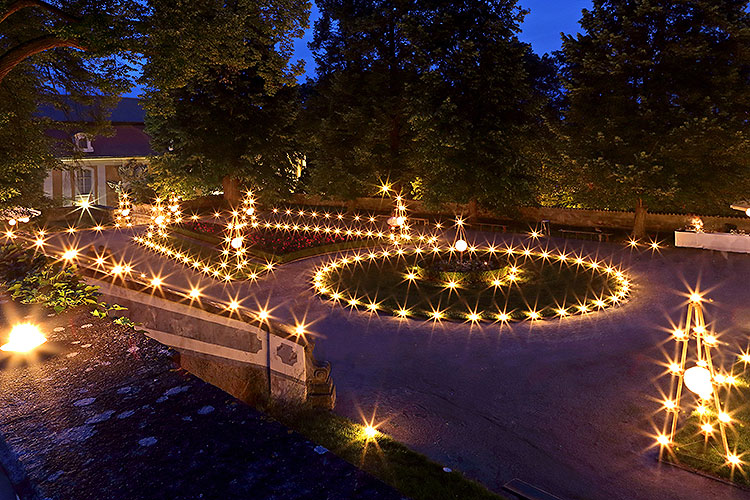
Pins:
x: 724, y: 417
x: 156, y: 282
x: 698, y: 380
x: 70, y: 254
x: 662, y: 440
x: 695, y: 297
x: 669, y: 404
x: 263, y: 314
x: 707, y: 428
x: 23, y: 338
x: 195, y: 293
x: 734, y: 460
x: 369, y: 432
x: 461, y: 245
x: 237, y: 242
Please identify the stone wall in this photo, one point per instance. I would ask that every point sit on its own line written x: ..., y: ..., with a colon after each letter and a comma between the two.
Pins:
x: 249, y: 359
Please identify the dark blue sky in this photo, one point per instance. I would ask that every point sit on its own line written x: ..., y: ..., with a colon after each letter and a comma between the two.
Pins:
x: 541, y: 28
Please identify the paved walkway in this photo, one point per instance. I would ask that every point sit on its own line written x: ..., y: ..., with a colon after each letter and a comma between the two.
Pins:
x: 567, y: 405
x: 108, y: 416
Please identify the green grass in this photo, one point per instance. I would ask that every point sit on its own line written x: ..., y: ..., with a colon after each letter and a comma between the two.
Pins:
x: 409, y: 472
x: 693, y: 450
x: 543, y: 285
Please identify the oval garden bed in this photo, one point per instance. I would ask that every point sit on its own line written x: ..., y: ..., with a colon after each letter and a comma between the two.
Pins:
x: 491, y: 285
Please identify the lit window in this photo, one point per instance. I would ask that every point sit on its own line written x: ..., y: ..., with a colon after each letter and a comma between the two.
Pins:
x: 83, y: 143
x: 84, y: 181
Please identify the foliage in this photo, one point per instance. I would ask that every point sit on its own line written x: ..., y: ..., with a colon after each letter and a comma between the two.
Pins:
x: 658, y: 102
x: 438, y: 97
x: 62, y: 79
x: 136, y: 178
x: 33, y: 279
x: 480, y: 114
x: 221, y: 93
x: 54, y: 286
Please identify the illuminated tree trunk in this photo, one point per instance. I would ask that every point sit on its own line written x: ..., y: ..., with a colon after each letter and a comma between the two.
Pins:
x: 231, y: 187
x: 473, y: 210
x: 639, y: 223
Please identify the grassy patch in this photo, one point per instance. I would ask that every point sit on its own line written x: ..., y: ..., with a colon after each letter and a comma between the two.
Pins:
x: 543, y: 285
x: 692, y: 449
x: 411, y: 473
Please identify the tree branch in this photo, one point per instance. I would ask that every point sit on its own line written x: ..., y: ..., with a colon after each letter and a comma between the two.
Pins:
x: 22, y: 51
x: 22, y: 4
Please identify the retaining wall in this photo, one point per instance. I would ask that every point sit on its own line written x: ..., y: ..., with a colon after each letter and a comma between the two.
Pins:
x: 249, y: 359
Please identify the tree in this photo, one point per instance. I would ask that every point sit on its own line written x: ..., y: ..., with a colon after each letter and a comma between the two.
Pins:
x: 221, y: 96
x: 659, y: 99
x: 481, y: 107
x: 358, y: 111
x: 43, y: 64
x: 433, y: 95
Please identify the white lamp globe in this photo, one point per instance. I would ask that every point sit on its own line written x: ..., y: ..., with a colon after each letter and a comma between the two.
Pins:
x: 747, y: 212
x: 159, y: 220
x: 461, y: 245
x: 125, y: 212
x: 24, y: 219
x: 400, y: 221
x: 12, y: 222
x: 392, y: 221
x: 698, y: 380
x: 236, y: 242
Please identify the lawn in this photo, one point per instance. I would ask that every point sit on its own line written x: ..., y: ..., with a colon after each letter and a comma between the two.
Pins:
x: 519, y: 286
x: 691, y: 448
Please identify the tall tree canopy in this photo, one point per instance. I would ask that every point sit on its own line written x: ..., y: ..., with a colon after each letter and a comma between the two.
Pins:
x: 431, y: 91
x: 659, y: 101
x: 481, y: 109
x: 55, y: 54
x: 359, y: 110
x: 221, y: 95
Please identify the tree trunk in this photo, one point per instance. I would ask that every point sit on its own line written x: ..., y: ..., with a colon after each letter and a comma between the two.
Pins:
x: 639, y: 223
x: 473, y: 210
x: 351, y: 206
x: 231, y: 187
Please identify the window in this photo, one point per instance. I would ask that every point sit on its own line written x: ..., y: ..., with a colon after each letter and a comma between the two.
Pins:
x: 85, y: 181
x: 82, y: 143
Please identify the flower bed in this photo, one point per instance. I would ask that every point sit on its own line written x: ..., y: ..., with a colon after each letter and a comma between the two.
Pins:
x: 271, y: 240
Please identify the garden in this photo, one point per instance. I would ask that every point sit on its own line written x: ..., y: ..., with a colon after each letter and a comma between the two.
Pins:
x: 490, y: 284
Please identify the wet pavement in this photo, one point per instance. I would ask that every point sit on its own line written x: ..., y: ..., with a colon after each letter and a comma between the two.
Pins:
x: 104, y: 412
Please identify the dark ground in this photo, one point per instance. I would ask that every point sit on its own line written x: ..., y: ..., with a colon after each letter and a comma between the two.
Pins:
x: 109, y: 416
